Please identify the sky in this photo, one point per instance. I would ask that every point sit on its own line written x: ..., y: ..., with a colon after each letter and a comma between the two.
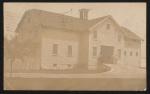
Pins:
x: 130, y: 15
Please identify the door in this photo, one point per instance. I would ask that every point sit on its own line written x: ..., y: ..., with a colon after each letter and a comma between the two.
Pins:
x: 107, y: 51
x: 107, y: 54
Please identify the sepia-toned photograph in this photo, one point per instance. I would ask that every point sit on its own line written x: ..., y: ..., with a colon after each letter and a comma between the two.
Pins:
x: 75, y: 46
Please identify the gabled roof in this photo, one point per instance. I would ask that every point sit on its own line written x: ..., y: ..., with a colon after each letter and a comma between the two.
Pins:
x: 50, y: 19
x: 127, y: 33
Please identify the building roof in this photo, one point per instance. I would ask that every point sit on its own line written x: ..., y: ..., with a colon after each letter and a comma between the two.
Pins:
x: 130, y: 34
x: 47, y: 19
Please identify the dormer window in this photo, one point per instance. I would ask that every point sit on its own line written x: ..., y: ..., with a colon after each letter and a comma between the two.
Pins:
x: 108, y: 26
x: 95, y: 35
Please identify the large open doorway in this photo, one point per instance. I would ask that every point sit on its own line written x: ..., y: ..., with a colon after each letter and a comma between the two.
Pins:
x: 107, y: 54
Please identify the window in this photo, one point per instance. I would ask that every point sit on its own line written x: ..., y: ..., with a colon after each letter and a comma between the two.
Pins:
x: 94, y: 51
x: 100, y: 53
x: 136, y: 53
x: 130, y: 53
x: 119, y: 37
x: 69, y: 65
x: 29, y: 20
x: 125, y: 53
x: 108, y: 26
x: 54, y: 65
x: 69, y: 50
x: 119, y: 53
x: 95, y: 35
x: 55, y: 49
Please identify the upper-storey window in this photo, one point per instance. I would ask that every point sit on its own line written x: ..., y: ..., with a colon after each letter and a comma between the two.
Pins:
x: 55, y: 49
x: 136, y: 53
x: 125, y: 53
x: 95, y: 34
x: 131, y: 53
x: 119, y: 38
x: 108, y: 26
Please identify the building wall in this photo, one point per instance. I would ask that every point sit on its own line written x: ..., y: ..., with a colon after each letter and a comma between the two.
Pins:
x: 115, y: 38
x: 63, y: 39
x: 133, y: 52
x: 106, y: 36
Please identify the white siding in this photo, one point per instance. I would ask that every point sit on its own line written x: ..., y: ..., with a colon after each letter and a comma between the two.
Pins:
x: 107, y: 36
x: 61, y: 60
x: 131, y: 60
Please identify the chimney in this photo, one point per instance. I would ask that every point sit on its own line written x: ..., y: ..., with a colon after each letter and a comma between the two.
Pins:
x: 84, y: 14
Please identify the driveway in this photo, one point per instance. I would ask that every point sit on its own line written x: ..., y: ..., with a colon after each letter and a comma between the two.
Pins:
x: 125, y: 71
